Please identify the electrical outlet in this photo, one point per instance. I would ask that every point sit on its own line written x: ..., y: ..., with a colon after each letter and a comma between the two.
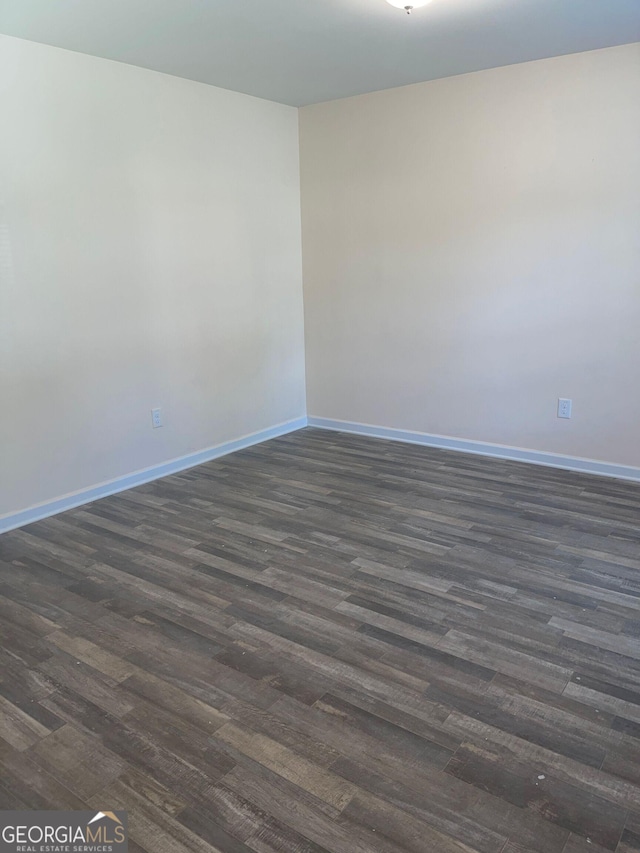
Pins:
x: 156, y: 418
x: 564, y: 407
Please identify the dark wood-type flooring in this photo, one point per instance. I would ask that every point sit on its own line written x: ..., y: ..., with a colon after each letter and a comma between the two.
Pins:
x: 333, y: 643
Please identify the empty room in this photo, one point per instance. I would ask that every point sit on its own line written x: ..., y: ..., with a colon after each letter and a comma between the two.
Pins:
x: 319, y: 426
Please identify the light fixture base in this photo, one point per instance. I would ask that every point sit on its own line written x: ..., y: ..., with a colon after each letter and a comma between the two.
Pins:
x: 408, y: 6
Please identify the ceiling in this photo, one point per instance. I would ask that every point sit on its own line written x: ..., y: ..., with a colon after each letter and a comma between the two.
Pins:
x: 304, y: 51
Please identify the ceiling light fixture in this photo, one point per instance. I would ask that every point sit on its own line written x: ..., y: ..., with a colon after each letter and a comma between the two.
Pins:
x: 402, y: 4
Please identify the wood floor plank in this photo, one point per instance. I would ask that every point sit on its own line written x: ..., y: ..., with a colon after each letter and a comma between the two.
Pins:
x: 521, y: 785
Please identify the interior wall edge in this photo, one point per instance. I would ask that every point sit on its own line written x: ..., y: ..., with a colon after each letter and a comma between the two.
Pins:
x: 13, y: 520
x: 482, y: 448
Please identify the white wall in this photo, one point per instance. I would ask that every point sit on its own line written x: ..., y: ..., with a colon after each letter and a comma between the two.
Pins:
x: 149, y: 256
x: 472, y: 252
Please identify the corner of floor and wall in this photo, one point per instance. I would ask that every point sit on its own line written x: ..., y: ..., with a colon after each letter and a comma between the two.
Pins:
x: 150, y: 258
x: 471, y: 254
x: 437, y: 263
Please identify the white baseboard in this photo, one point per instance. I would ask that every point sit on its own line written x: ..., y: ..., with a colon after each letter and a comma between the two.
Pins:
x: 500, y: 451
x: 138, y: 478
